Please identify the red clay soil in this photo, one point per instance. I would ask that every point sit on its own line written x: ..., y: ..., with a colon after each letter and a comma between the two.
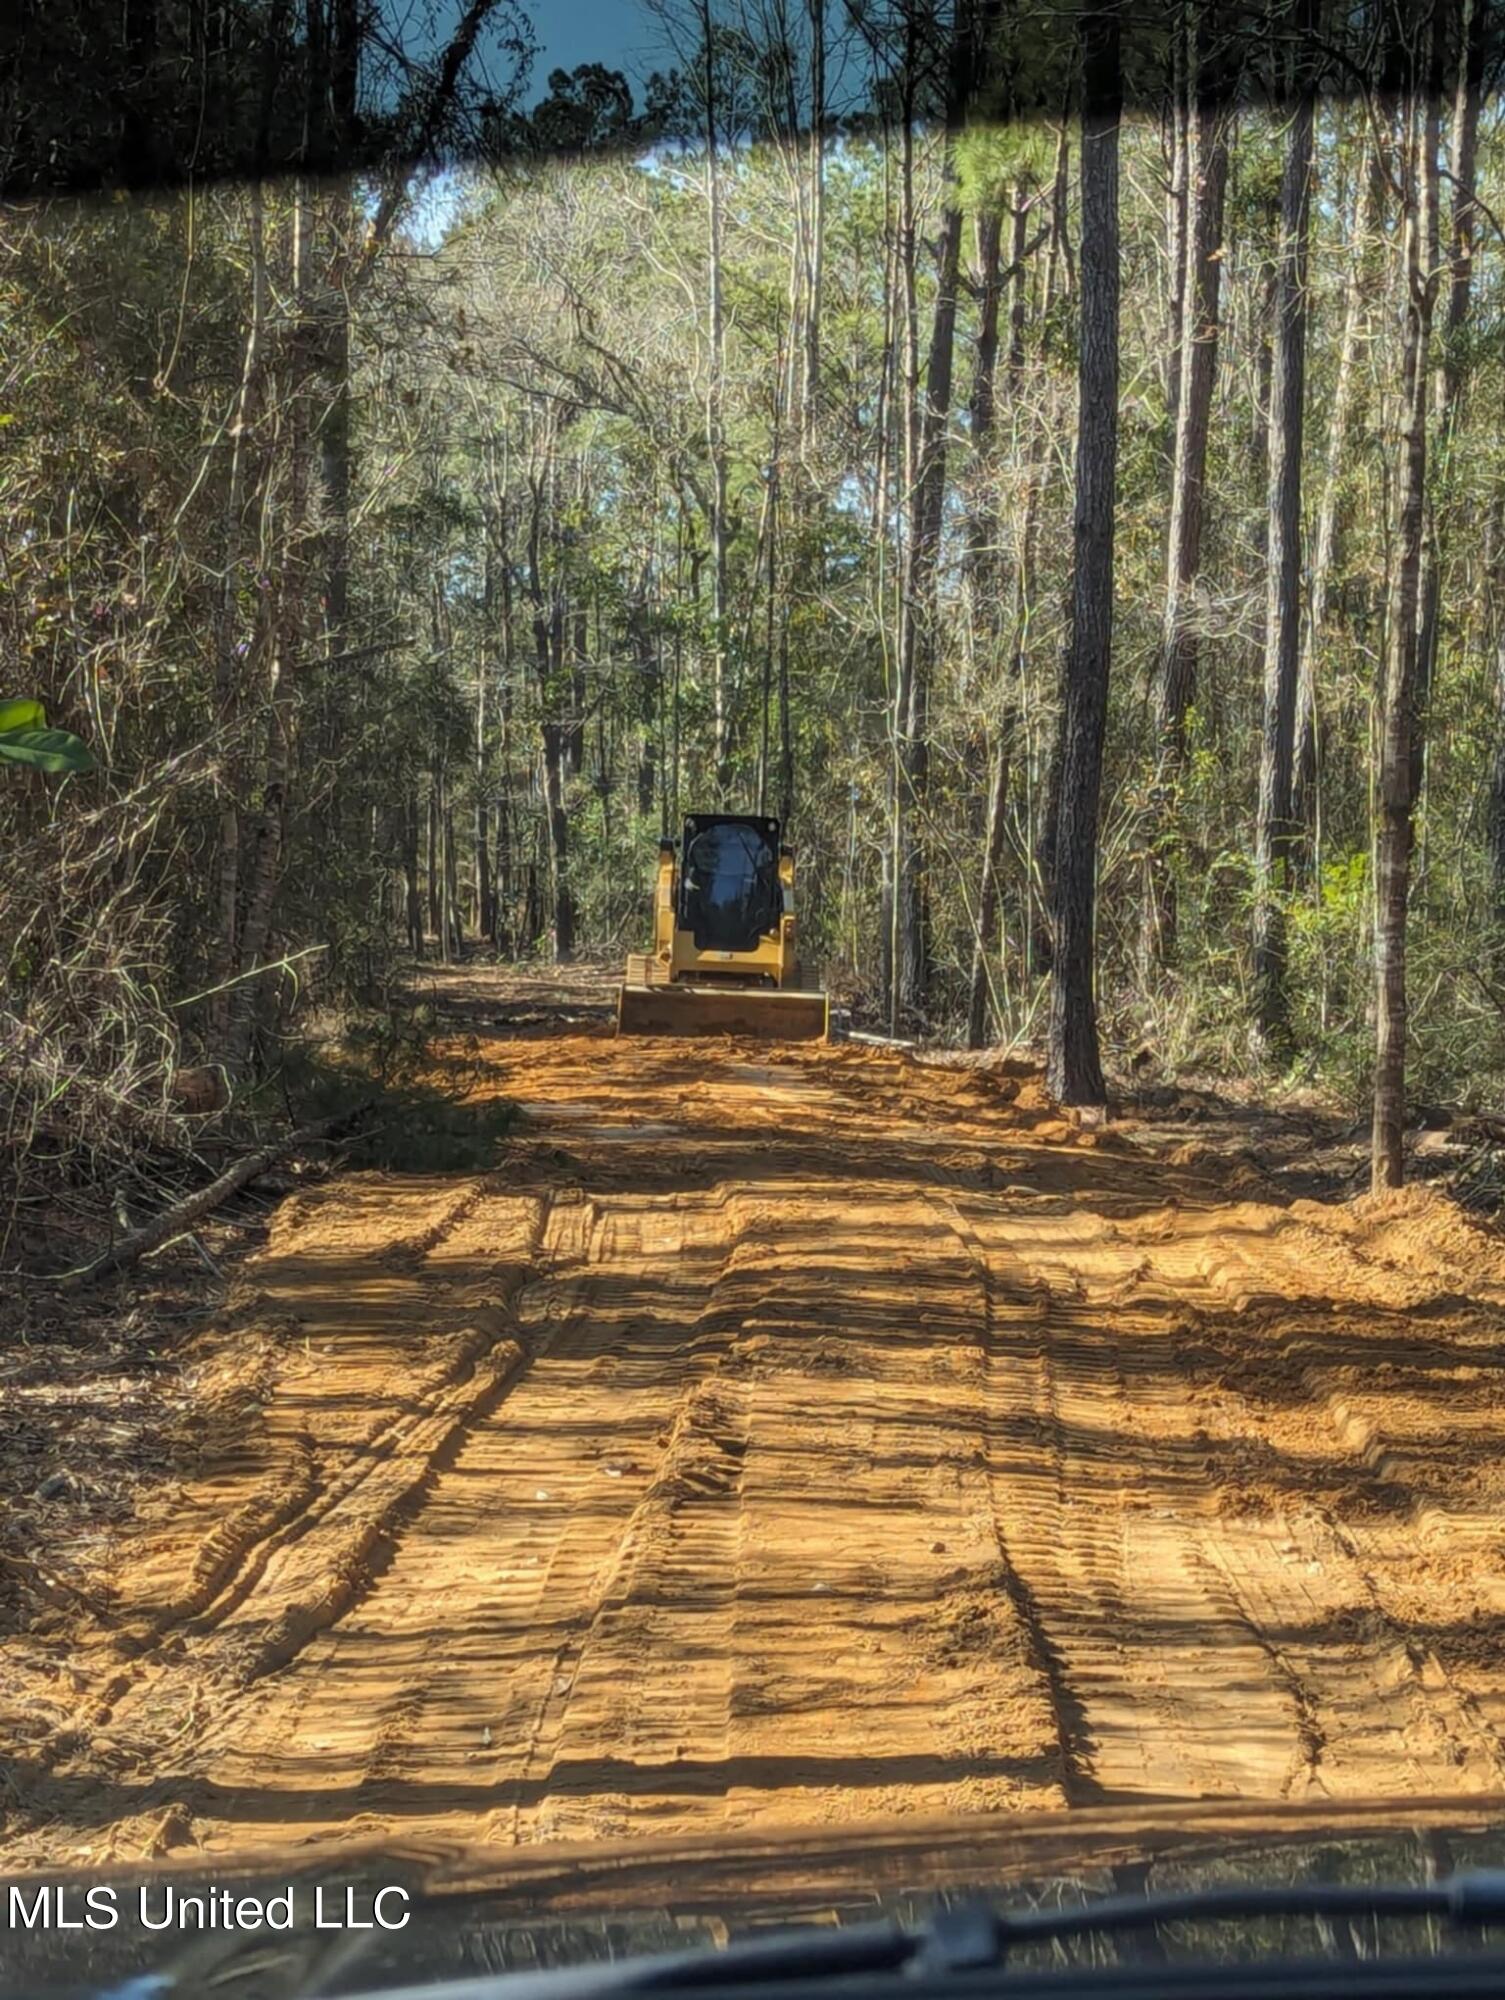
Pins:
x: 785, y: 1435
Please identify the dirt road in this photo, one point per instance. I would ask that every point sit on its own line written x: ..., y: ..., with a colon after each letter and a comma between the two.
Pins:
x: 798, y: 1434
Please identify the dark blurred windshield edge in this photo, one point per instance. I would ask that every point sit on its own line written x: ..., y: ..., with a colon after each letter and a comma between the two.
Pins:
x: 156, y: 93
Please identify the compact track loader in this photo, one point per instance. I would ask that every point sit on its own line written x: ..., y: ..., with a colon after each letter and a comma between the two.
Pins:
x: 723, y: 958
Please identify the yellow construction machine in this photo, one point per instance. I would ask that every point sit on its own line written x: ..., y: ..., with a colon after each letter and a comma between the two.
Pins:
x: 723, y: 960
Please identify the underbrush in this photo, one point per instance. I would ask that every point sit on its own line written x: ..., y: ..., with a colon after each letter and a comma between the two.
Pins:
x: 98, y: 1131
x: 88, y: 1044
x: 420, y: 1109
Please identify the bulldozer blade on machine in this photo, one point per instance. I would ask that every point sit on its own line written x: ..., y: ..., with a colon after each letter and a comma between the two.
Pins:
x: 779, y: 1014
x: 724, y: 959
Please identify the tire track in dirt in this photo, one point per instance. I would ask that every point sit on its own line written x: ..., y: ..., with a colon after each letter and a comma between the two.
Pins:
x: 1174, y: 1632
x: 1366, y: 1716
x: 596, y: 1699
x: 1023, y: 1486
x: 855, y: 1438
x: 877, y: 1660
x: 1341, y: 1568
x: 665, y: 1602
x: 310, y: 1542
x: 1172, y: 1698
x: 1401, y: 1553
x: 452, y: 1706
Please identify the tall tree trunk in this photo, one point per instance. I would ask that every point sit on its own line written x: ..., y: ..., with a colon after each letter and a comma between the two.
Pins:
x: 265, y: 867
x: 1179, y: 198
x: 487, y: 674
x: 504, y: 862
x: 987, y: 900
x: 983, y: 581
x: 1264, y: 369
x: 926, y: 416
x: 283, y: 654
x: 332, y: 333
x: 579, y: 697
x: 228, y: 668
x: 485, y: 897
x: 1364, y: 238
x: 1206, y: 170
x: 533, y: 918
x: 985, y: 564
x: 786, y: 732
x: 1273, y: 830
x: 770, y: 624
x: 910, y: 429
x: 1465, y: 213
x: 1448, y: 376
x: 559, y: 842
x: 1398, y: 718
x: 506, y: 883
x: 347, y: 31
x: 1495, y: 808
x: 715, y: 418
x: 449, y: 917
x: 431, y: 870
x: 333, y: 109
x: 925, y: 496
x: 1075, y: 1067
x: 413, y: 903
x: 885, y: 397
x: 987, y: 284
x: 650, y: 700
x: 1059, y: 278
x: 549, y: 624
x: 816, y: 240
x: 1059, y: 275
x: 917, y: 636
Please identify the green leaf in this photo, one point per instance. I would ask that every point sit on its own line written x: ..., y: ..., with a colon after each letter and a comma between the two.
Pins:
x: 45, y: 749
x: 23, y: 713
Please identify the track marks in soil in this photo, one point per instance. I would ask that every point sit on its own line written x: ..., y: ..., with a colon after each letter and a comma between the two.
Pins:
x: 864, y: 1441
x: 1194, y: 1648
x: 317, y: 1529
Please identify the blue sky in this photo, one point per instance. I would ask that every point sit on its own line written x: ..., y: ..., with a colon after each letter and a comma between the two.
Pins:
x: 622, y: 34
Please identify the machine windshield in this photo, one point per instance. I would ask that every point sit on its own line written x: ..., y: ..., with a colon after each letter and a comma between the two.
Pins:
x: 730, y: 895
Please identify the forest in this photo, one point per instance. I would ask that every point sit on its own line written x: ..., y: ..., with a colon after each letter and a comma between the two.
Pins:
x: 474, y: 1411
x: 1054, y: 464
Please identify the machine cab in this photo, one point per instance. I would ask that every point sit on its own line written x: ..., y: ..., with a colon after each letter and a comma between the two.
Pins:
x: 724, y: 958
x: 731, y: 893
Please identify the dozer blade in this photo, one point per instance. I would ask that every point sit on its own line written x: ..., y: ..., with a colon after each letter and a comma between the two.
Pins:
x: 772, y: 1013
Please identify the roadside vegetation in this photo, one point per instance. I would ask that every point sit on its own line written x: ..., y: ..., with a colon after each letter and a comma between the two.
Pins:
x: 1058, y: 470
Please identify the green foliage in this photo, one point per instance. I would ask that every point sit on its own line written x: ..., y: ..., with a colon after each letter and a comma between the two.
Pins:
x: 993, y: 160
x: 26, y: 739
x: 530, y: 556
x: 1328, y: 933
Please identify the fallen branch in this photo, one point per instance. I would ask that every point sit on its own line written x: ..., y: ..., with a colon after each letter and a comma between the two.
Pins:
x: 180, y: 1218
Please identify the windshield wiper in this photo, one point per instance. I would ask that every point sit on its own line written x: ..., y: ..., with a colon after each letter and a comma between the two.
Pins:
x: 958, y: 1940
x: 973, y: 1937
